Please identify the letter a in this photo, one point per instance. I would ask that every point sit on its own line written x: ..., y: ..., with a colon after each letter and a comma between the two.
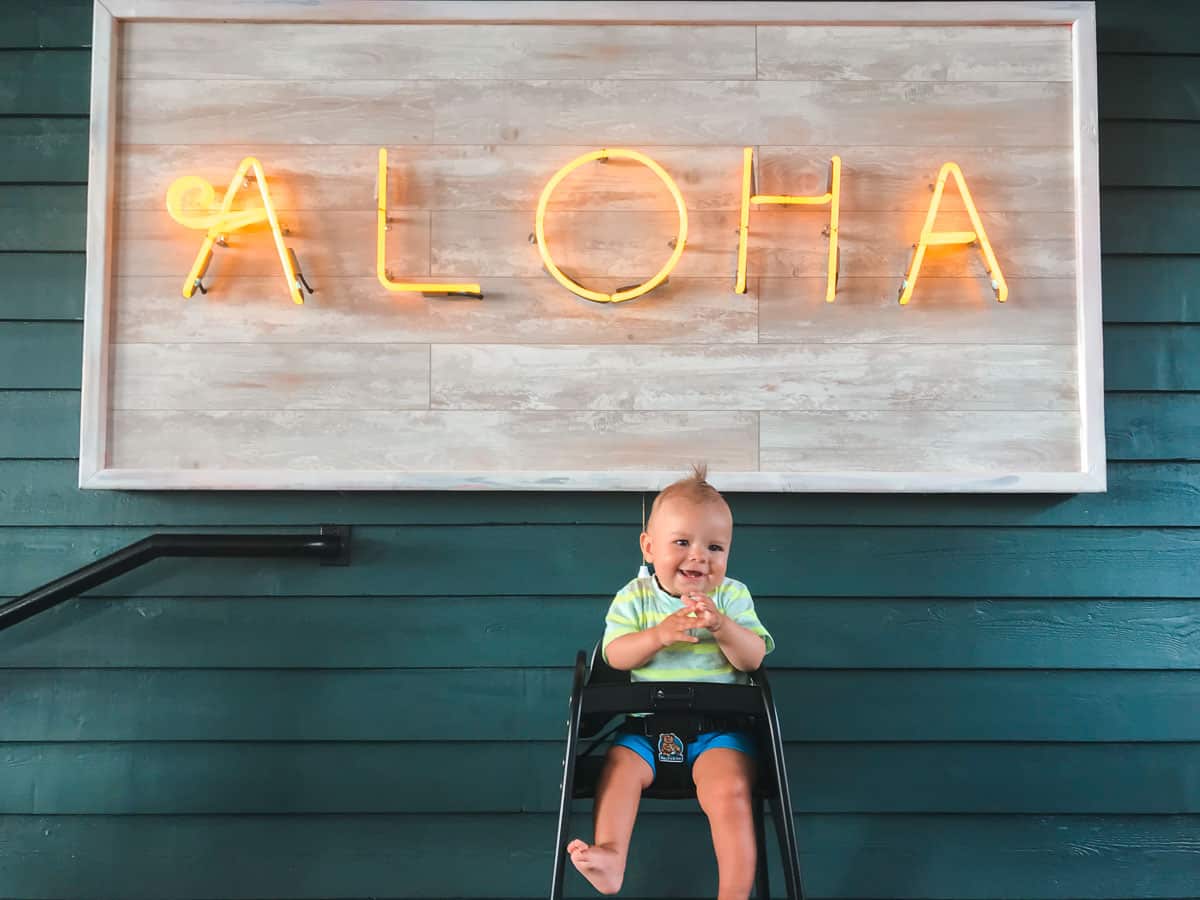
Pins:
x: 190, y: 203
x: 931, y: 238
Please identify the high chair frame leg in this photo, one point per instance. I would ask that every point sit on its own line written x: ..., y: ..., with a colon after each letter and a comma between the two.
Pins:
x: 762, y: 883
x: 568, y: 777
x: 781, y: 803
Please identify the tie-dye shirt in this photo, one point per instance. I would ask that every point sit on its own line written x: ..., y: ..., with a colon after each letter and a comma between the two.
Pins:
x: 642, y: 604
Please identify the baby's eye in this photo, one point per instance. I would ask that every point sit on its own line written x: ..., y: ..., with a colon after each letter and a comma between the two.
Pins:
x: 682, y: 542
x: 715, y: 548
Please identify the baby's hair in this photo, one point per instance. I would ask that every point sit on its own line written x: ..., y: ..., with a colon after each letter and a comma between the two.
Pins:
x: 694, y: 488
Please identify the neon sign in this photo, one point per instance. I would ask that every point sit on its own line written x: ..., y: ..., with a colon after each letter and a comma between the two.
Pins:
x: 190, y: 202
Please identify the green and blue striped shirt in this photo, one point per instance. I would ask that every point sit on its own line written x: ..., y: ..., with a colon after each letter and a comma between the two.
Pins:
x: 642, y: 604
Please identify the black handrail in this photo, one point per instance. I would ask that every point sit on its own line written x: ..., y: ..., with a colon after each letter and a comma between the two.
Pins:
x: 331, y: 547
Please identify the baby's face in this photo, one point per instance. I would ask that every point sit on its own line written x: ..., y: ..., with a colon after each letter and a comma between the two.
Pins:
x: 689, y: 545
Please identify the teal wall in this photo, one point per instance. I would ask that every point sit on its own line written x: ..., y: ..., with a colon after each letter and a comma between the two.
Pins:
x: 986, y: 696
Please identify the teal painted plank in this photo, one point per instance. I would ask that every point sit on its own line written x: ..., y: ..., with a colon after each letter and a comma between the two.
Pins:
x: 853, y: 856
x: 208, y: 778
x: 1149, y: 221
x: 470, y: 632
x: 40, y: 355
x: 39, y: 424
x: 1149, y: 154
x: 546, y: 560
x: 42, y: 286
x: 44, y: 492
x: 1153, y: 426
x: 42, y: 218
x: 62, y: 23
x: 45, y: 150
x: 1165, y: 26
x: 45, y: 82
x: 529, y: 704
x: 1145, y: 86
x: 1152, y: 357
x: 1151, y: 288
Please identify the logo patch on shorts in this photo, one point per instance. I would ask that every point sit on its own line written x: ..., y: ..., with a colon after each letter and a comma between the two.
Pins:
x: 670, y: 748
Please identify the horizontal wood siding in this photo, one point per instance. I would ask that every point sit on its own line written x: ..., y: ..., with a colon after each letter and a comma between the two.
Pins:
x: 984, y: 696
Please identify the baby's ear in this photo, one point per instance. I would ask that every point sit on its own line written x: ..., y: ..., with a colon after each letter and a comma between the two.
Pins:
x: 646, y: 550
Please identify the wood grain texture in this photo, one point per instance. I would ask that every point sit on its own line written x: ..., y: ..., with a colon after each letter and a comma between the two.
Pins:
x: 402, y: 52
x: 441, y: 441
x: 480, y: 632
x: 943, y: 311
x: 355, y: 310
x: 913, y: 441
x: 1038, y: 857
x: 754, y: 377
x: 309, y: 778
x: 897, y: 53
x: 251, y: 376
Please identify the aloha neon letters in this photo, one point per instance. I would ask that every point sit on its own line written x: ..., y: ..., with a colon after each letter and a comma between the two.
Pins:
x: 190, y: 202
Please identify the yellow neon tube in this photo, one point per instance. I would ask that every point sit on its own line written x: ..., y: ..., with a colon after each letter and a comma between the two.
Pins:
x: 835, y: 201
x: 832, y: 196
x: 929, y: 237
x: 225, y: 220
x: 739, y: 286
x: 381, y: 222
x: 628, y: 293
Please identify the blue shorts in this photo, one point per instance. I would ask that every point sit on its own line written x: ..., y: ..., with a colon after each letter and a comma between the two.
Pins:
x: 741, y: 741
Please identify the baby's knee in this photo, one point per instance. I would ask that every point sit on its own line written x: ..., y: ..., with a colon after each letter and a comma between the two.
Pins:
x: 732, y: 791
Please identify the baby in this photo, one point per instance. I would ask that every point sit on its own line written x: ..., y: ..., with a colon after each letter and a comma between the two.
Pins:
x: 686, y: 622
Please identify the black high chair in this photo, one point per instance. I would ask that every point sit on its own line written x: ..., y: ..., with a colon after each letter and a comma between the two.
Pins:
x: 600, y: 693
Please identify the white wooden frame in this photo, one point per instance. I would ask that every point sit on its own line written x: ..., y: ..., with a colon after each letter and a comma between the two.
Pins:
x: 94, y: 471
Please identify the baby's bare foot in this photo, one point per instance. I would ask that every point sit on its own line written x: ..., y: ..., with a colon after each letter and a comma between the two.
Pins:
x: 600, y: 865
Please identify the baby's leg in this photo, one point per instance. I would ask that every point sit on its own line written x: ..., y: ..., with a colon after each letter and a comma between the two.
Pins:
x: 724, y: 779
x: 624, y: 777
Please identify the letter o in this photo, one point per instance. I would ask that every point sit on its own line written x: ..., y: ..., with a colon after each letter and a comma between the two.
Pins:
x: 627, y: 293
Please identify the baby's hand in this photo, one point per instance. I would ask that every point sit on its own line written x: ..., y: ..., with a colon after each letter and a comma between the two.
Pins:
x: 706, y: 613
x: 675, y: 628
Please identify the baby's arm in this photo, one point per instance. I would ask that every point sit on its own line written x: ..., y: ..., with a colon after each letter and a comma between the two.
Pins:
x: 632, y: 651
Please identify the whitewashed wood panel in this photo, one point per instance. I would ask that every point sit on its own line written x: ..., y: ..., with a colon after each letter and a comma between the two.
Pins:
x: 943, y: 311
x: 597, y: 113
x: 755, y: 377
x: 846, y: 113
x: 632, y: 246
x: 223, y: 51
x: 435, y: 441
x: 275, y: 112
x: 328, y: 245
x: 914, y: 53
x: 533, y: 387
x: 1012, y: 179
x: 464, y: 177
x: 492, y: 177
x: 514, y: 310
x: 920, y: 441
x: 270, y: 376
